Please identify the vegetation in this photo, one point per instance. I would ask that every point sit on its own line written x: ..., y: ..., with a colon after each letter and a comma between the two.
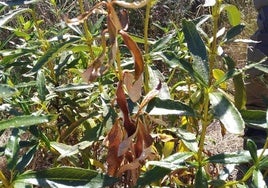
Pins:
x: 86, y: 103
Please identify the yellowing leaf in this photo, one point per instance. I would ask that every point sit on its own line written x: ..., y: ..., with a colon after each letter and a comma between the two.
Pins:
x: 168, y: 148
x: 218, y: 74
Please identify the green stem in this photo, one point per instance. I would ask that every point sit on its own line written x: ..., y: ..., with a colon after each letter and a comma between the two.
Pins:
x: 146, y: 47
x: 213, y: 48
x: 205, y: 123
x: 86, y: 29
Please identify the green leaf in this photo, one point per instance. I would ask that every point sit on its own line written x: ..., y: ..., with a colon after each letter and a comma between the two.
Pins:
x: 72, y: 87
x: 252, y: 147
x: 65, y: 177
x: 159, y: 106
x: 173, y: 162
x: 11, y: 15
x: 258, y: 180
x: 240, y: 96
x: 18, y: 2
x: 12, y: 149
x: 26, y: 159
x: 153, y: 175
x: 233, y: 32
x: 52, y: 53
x: 41, y: 86
x: 234, y: 15
x: 231, y: 158
x: 255, y: 118
x: 201, y: 179
x: 23, y: 121
x: 198, y: 49
x: 226, y: 112
x: 6, y: 91
x: 162, y: 43
x: 188, y: 138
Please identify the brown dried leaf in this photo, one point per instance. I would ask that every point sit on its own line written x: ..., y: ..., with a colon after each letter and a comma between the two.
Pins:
x: 136, y: 53
x: 153, y: 93
x: 133, y: 5
x: 81, y: 18
x: 134, y: 88
x: 124, y: 19
x: 122, y: 103
x: 114, y: 138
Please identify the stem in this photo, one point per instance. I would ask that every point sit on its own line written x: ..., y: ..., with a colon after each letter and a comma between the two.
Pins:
x: 87, y: 33
x: 205, y: 123
x: 146, y: 47
x: 213, y: 48
x: 3, y: 179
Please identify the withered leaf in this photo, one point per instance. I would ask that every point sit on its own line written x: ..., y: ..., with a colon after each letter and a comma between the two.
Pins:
x: 136, y: 53
x: 115, y: 137
x: 122, y: 103
x: 134, y: 88
x: 133, y: 5
x: 124, y: 19
x: 94, y: 71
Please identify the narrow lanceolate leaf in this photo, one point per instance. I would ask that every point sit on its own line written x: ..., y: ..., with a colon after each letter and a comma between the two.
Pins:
x: 12, y: 149
x: 233, y: 32
x: 65, y: 177
x: 159, y: 106
x: 72, y: 87
x: 23, y: 121
x: 41, y: 86
x: 26, y: 159
x: 6, y: 91
x: 198, y: 49
x: 258, y: 180
x: 255, y: 118
x: 136, y: 52
x: 52, y: 53
x: 11, y: 15
x: 252, y: 147
x: 226, y: 112
x: 231, y: 158
x: 201, y: 180
x: 240, y: 92
x: 173, y: 162
x: 18, y: 2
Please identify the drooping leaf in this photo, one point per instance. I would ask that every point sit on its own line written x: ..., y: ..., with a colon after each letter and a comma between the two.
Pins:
x: 158, y: 106
x: 122, y: 103
x: 11, y: 15
x: 115, y: 136
x: 65, y: 177
x: 6, y: 91
x: 12, y: 149
x: 198, y: 49
x: 24, y: 121
x: 133, y: 87
x: 52, y: 53
x: 226, y: 112
x: 234, y: 15
x: 136, y: 53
